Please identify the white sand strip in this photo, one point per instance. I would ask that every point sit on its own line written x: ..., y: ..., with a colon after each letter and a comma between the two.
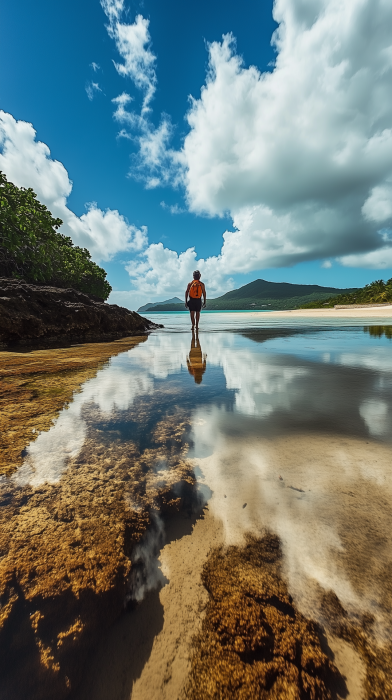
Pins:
x: 384, y: 312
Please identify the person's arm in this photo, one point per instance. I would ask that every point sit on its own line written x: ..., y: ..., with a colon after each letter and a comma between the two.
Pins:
x: 204, y: 296
x: 186, y: 296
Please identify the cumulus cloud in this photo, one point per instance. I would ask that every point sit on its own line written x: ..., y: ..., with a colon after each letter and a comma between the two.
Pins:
x: 380, y: 259
x: 27, y: 163
x: 161, y: 271
x: 299, y: 157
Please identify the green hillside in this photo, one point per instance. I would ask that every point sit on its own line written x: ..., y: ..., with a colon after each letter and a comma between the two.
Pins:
x: 263, y: 295
x: 146, y: 307
x: 378, y: 292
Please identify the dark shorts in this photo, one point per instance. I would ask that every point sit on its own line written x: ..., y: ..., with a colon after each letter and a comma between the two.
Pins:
x: 194, y: 304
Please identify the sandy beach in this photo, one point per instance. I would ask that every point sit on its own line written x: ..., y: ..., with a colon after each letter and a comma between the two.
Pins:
x: 371, y: 312
x: 379, y: 312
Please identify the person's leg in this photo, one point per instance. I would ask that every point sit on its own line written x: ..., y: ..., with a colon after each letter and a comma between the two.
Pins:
x: 193, y: 318
x: 197, y: 319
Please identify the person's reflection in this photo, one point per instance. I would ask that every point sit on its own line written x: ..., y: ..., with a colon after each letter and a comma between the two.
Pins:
x: 196, y: 361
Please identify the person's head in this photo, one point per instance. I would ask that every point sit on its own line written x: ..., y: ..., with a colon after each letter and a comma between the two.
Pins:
x: 196, y: 275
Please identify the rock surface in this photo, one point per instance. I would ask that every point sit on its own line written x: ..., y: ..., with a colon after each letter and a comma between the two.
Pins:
x: 31, y: 313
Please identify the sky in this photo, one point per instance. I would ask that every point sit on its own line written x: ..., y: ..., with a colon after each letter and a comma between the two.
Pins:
x: 247, y: 140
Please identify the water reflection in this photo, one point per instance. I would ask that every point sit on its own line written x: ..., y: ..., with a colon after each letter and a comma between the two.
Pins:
x: 196, y: 361
x: 379, y: 331
x: 289, y: 430
x: 327, y: 381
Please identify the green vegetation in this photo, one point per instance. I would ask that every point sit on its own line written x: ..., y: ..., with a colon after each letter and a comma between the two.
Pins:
x: 378, y: 292
x: 32, y: 250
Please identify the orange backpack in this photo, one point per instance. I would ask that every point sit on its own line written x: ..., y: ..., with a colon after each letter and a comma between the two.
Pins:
x: 195, y: 290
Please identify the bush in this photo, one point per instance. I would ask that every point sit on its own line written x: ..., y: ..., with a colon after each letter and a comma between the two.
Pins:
x: 32, y: 250
x: 377, y: 292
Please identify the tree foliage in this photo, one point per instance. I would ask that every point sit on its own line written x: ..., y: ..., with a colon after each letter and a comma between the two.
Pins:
x: 377, y: 292
x: 31, y: 248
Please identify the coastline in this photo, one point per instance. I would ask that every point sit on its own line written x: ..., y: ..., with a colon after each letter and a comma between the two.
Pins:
x: 354, y: 312
x: 357, y: 312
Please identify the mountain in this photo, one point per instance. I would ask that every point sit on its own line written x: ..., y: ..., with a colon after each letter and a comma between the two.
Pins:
x: 261, y: 294
x: 175, y: 300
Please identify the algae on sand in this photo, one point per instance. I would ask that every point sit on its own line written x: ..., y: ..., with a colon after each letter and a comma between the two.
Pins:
x: 67, y: 545
x: 254, y: 644
x: 35, y: 386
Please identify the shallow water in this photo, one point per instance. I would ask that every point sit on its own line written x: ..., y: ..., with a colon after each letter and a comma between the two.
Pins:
x: 287, y: 427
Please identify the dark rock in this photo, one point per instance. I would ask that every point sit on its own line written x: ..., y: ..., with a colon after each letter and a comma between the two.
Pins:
x: 49, y: 315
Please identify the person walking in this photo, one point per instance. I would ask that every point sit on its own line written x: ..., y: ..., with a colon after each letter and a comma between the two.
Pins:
x: 194, y: 292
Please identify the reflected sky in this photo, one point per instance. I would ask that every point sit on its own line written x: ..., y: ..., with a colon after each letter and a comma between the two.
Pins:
x: 212, y: 321
x: 270, y: 382
x: 290, y: 429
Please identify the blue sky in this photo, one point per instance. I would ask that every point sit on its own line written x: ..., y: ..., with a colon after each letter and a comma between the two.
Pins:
x: 316, y: 211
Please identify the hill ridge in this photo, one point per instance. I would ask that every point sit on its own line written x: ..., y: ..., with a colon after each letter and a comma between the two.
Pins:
x: 261, y: 294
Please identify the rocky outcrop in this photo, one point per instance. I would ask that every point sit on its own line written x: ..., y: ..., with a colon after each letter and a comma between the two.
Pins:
x: 50, y: 315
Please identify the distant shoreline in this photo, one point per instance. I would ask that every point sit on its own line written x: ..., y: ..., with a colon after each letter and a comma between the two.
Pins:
x: 354, y: 312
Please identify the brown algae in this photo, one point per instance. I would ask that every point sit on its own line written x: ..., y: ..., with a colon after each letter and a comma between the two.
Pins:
x: 254, y: 644
x: 34, y: 387
x: 67, y: 549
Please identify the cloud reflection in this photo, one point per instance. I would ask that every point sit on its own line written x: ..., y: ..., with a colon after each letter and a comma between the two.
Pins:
x: 322, y: 496
x: 284, y: 391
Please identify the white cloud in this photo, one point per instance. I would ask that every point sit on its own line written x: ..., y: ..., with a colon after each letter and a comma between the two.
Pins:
x: 27, y: 163
x: 132, y: 43
x: 326, y: 264
x: 380, y: 259
x: 92, y: 88
x: 300, y: 157
x: 173, y: 208
x: 154, y: 163
x: 161, y: 271
x: 95, y: 66
x: 378, y: 206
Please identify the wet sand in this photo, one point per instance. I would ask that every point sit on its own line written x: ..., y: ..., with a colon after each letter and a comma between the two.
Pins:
x: 304, y: 456
x: 334, y: 522
x: 161, y: 672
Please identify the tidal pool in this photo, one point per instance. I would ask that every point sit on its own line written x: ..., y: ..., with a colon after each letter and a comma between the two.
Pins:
x: 174, y: 446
